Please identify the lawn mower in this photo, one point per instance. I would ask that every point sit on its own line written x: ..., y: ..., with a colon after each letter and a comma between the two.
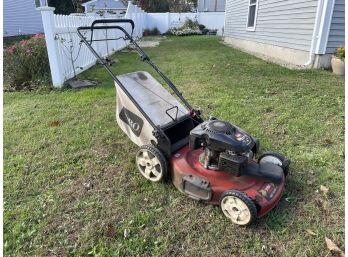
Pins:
x: 211, y: 160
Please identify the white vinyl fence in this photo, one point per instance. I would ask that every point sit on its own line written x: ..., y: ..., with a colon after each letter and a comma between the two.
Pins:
x: 68, y: 56
x: 165, y: 21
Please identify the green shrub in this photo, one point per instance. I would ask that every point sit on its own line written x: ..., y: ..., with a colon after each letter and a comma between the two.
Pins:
x: 155, y: 31
x: 151, y: 32
x: 9, y: 41
x: 26, y: 64
x: 168, y: 32
x: 205, y: 31
x: 185, y: 32
x: 188, y: 28
x: 146, y: 32
x: 201, y: 27
x: 190, y: 24
x: 340, y: 52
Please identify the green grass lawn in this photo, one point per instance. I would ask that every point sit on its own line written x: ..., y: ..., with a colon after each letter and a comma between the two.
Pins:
x: 71, y: 186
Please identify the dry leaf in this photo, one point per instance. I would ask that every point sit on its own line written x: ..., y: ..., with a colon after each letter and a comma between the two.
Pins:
x: 54, y: 123
x: 324, y: 189
x: 110, y: 231
x: 214, y: 65
x: 322, y: 203
x: 333, y: 247
x: 311, y: 232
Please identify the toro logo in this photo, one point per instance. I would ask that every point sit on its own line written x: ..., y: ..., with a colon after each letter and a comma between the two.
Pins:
x: 268, y: 190
x: 132, y: 120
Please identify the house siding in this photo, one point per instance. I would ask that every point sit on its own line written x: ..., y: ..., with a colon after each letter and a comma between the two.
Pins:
x: 103, y: 4
x: 21, y: 17
x: 336, y: 35
x: 211, y: 5
x: 282, y: 23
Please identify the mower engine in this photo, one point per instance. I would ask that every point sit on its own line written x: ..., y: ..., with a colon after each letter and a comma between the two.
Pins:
x: 226, y: 146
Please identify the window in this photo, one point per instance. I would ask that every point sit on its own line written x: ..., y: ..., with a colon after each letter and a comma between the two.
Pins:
x: 252, y: 14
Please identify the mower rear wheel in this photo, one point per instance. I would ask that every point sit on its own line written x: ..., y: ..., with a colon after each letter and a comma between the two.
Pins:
x: 277, y: 159
x: 151, y: 163
x: 238, y: 207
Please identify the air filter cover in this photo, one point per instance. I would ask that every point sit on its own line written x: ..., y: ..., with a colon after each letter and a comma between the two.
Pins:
x: 218, y: 126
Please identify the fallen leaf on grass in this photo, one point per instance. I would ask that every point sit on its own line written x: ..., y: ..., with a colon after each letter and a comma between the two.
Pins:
x: 333, y: 247
x: 54, y: 123
x: 110, y: 232
x: 322, y: 203
x: 327, y: 142
x: 311, y: 232
x: 324, y: 189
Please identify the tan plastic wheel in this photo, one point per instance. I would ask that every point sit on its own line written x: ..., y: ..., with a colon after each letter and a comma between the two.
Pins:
x: 151, y: 163
x: 238, y: 207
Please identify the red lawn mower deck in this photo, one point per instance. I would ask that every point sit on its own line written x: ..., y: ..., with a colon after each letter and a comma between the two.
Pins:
x: 212, y: 161
x: 191, y: 178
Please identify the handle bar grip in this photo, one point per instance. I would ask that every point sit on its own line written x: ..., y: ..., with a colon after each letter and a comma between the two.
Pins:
x: 113, y: 21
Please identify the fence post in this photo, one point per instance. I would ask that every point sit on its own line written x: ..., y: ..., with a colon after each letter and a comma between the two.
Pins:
x: 136, y: 20
x: 51, y: 44
x: 168, y: 22
x: 144, y: 20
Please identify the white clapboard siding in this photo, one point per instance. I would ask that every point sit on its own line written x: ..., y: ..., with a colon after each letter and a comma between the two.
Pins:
x: 211, y: 5
x: 336, y: 35
x: 21, y: 18
x: 282, y: 23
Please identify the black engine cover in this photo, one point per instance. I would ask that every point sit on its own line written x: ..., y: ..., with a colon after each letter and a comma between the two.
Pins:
x: 220, y: 136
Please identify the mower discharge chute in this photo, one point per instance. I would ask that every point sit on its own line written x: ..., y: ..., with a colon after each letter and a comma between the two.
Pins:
x: 212, y: 161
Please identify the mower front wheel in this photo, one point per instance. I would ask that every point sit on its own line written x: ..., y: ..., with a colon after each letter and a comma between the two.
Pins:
x: 277, y: 159
x: 238, y: 207
x: 151, y: 163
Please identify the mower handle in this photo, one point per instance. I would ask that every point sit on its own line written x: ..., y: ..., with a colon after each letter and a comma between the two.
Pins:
x: 113, y: 21
x: 144, y: 57
x: 105, y: 21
